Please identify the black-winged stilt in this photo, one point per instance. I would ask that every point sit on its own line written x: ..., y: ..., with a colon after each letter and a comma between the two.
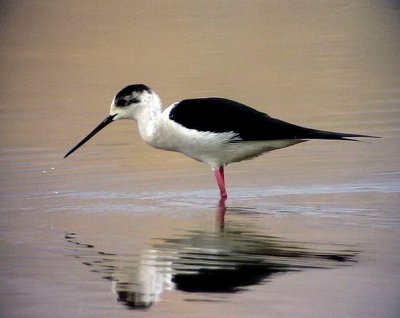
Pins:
x: 213, y: 130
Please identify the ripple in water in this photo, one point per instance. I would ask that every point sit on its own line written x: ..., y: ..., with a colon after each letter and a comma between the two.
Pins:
x: 205, y: 263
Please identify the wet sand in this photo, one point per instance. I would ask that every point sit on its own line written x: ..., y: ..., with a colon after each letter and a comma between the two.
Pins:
x: 123, y: 230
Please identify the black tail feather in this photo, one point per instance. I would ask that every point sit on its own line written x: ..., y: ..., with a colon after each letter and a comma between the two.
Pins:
x: 322, y: 134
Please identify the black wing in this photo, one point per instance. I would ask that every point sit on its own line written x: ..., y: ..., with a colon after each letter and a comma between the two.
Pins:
x: 223, y: 115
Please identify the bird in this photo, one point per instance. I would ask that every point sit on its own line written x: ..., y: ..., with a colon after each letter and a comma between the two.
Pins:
x: 213, y: 130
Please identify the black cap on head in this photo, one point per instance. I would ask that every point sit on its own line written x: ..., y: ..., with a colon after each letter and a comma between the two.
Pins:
x: 129, y: 94
x: 128, y: 90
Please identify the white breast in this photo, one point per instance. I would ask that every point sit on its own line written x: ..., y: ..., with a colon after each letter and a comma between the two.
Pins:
x: 215, y: 149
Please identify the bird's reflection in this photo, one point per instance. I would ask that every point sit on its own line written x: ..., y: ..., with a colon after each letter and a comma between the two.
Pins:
x: 226, y: 260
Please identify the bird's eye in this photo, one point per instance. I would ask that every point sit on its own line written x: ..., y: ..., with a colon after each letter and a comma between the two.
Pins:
x: 121, y: 102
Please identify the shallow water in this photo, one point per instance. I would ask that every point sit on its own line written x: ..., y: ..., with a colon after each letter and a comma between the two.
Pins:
x: 205, y: 263
x: 120, y: 229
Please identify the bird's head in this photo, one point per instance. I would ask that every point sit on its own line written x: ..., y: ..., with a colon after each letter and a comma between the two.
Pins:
x: 131, y: 100
x: 129, y: 103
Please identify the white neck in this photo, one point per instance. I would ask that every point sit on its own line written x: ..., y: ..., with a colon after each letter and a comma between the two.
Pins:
x: 147, y: 117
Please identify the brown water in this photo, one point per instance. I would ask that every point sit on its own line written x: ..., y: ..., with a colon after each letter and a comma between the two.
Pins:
x: 123, y: 230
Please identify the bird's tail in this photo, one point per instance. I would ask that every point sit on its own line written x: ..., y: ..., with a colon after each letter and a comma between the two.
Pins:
x: 322, y: 134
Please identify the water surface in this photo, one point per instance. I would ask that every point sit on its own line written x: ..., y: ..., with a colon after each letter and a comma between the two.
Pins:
x: 123, y: 230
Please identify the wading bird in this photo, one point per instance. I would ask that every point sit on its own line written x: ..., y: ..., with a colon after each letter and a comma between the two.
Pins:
x: 216, y: 131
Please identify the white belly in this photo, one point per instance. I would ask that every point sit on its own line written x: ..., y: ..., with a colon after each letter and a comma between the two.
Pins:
x: 208, y: 147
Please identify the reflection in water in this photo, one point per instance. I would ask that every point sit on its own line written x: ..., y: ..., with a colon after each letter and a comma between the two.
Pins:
x: 202, y: 261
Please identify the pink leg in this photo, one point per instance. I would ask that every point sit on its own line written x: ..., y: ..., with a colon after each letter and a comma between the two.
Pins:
x: 219, y: 175
x: 221, y: 209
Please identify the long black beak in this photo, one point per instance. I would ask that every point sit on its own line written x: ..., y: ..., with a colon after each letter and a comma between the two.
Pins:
x: 103, y: 124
